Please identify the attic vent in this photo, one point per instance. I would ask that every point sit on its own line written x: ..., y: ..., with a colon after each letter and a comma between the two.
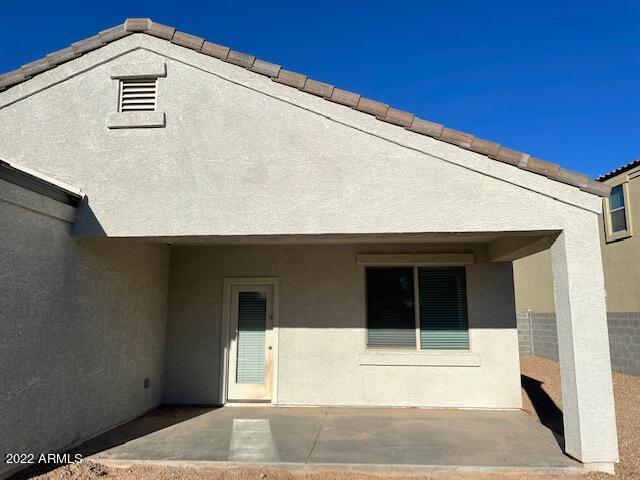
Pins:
x: 137, y: 95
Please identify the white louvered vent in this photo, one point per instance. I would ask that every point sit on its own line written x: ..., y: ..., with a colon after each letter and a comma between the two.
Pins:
x: 138, y: 95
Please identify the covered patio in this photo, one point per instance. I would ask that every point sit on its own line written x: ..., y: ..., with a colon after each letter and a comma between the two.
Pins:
x: 363, y: 439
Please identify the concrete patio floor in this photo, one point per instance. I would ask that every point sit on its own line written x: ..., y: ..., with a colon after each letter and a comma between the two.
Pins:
x: 336, y: 437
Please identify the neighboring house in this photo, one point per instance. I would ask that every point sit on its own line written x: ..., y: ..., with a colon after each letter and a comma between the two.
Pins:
x: 249, y: 234
x: 620, y: 245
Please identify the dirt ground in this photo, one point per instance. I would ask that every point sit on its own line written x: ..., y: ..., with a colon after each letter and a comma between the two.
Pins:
x: 626, y: 389
x: 542, y: 400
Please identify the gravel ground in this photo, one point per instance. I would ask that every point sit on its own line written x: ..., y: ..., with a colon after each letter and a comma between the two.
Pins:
x: 541, y: 382
x: 626, y: 390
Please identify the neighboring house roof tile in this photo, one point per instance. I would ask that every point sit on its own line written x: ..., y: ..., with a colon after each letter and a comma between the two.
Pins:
x: 619, y: 170
x: 380, y: 110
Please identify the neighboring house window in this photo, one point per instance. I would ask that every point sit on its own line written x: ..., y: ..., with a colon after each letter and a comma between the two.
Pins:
x: 617, y: 215
x: 617, y: 209
x: 422, y: 308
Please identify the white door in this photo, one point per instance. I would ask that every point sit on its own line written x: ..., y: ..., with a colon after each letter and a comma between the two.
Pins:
x: 250, y: 343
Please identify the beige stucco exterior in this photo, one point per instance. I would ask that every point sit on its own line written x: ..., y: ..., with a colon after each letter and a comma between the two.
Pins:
x: 533, y: 280
x: 244, y: 160
x: 620, y: 258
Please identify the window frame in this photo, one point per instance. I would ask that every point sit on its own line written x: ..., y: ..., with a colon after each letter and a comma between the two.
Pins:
x: 417, y: 349
x: 610, y: 235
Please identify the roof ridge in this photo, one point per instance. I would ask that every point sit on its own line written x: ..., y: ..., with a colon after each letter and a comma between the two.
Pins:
x: 380, y: 110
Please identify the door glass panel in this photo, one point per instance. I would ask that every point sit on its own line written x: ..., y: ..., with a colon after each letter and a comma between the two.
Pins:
x: 252, y: 324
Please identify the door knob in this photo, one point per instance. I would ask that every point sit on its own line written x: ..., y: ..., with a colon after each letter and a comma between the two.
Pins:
x: 270, y: 347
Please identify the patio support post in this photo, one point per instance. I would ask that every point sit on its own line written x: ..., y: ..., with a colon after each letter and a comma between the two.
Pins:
x: 585, y: 363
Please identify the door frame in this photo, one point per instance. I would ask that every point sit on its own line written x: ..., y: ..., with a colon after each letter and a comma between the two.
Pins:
x: 225, y: 338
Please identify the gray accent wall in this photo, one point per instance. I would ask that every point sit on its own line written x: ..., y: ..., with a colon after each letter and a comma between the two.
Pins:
x: 537, y: 336
x: 82, y: 322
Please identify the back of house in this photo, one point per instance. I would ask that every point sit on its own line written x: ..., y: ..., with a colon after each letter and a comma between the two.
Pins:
x: 243, y: 233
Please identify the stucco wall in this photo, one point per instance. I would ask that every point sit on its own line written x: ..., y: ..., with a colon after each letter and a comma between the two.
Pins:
x: 533, y: 281
x: 322, y: 330
x: 242, y: 154
x: 622, y: 258
x: 82, y: 324
x: 620, y: 261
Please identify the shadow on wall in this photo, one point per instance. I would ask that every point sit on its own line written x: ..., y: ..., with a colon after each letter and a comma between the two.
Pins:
x: 86, y: 223
x: 548, y: 412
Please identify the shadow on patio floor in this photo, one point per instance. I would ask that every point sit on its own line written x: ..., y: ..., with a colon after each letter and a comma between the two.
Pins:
x: 546, y: 409
x: 162, y: 417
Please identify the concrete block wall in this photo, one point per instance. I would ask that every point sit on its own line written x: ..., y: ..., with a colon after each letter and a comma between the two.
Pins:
x: 525, y: 338
x: 545, y: 336
x: 537, y: 336
x: 624, y: 339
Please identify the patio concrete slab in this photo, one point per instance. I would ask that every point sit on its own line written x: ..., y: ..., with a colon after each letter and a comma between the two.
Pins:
x: 333, y: 436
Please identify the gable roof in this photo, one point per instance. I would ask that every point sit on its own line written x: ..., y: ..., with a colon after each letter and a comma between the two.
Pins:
x: 380, y: 110
x: 619, y: 170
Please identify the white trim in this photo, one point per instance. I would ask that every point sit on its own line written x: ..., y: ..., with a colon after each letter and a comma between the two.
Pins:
x: 634, y: 173
x: 415, y: 259
x: 46, y: 178
x: 228, y: 283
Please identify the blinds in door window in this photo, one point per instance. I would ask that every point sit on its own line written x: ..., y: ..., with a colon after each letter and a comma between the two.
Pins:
x: 390, y: 307
x: 252, y: 325
x: 442, y: 294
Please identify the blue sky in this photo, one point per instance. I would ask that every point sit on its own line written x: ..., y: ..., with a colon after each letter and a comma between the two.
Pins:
x: 559, y: 80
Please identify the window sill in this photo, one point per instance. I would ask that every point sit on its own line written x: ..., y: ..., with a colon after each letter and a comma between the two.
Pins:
x: 136, y: 120
x: 420, y: 359
x: 621, y: 235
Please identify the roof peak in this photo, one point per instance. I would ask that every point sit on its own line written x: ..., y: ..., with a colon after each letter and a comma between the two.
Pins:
x: 380, y: 110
